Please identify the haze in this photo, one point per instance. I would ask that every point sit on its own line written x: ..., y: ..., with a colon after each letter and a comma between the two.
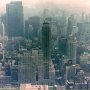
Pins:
x: 82, y: 4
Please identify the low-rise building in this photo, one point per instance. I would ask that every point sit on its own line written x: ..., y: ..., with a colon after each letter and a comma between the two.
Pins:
x: 85, y: 59
x: 33, y: 87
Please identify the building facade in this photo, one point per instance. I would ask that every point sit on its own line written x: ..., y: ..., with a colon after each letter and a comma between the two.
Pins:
x: 46, y: 41
x: 14, y: 19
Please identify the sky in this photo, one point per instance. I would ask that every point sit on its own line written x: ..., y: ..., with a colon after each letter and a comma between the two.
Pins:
x: 35, y: 3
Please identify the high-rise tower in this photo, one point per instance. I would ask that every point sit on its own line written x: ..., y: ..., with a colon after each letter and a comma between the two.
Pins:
x: 72, y: 45
x: 14, y: 19
x: 46, y: 39
x: 71, y: 23
x: 27, y: 70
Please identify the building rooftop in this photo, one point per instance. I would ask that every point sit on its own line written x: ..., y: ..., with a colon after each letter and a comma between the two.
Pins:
x: 33, y: 87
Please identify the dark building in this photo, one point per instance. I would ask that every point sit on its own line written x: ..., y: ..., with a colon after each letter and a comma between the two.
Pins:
x: 14, y: 19
x: 63, y: 46
x: 7, y: 70
x: 46, y: 39
x: 14, y: 75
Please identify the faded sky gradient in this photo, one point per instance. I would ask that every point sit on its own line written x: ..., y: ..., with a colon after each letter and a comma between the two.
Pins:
x: 33, y: 3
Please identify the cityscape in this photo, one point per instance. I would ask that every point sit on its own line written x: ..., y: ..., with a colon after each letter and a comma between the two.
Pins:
x: 44, y: 48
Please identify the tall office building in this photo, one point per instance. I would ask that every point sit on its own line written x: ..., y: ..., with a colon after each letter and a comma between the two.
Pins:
x: 63, y: 24
x: 46, y: 41
x: 29, y: 30
x: 14, y: 19
x: 71, y: 23
x: 72, y: 45
x: 35, y: 59
x: 40, y: 67
x: 63, y: 45
x: 27, y: 70
x: 35, y: 22
x: 1, y: 29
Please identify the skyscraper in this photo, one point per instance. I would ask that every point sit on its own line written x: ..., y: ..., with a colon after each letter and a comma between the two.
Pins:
x: 40, y: 67
x: 35, y: 22
x: 1, y: 29
x: 63, y: 24
x: 63, y: 45
x: 27, y: 70
x: 70, y: 25
x: 72, y: 45
x: 46, y: 39
x: 14, y: 19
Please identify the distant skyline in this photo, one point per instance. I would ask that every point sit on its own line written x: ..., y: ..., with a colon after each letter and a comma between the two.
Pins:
x: 82, y: 4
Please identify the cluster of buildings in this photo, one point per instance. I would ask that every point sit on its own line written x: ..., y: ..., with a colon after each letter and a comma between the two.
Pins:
x: 43, y: 53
